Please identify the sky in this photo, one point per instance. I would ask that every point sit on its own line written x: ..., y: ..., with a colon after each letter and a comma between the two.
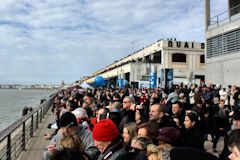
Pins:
x: 47, y: 41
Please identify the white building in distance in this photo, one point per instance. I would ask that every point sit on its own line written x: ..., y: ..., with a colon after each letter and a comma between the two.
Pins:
x: 187, y: 59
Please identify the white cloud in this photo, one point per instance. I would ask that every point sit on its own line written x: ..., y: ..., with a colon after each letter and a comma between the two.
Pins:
x: 46, y: 41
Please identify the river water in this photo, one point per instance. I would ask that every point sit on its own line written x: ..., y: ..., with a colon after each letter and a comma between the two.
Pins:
x: 12, y: 101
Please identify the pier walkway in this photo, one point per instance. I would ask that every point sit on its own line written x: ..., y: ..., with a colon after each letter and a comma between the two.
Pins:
x: 38, y: 144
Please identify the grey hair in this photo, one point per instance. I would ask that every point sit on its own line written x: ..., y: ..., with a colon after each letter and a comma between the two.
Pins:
x: 130, y: 98
x: 116, y: 105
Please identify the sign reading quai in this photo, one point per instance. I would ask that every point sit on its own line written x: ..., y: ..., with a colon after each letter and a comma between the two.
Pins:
x: 180, y: 44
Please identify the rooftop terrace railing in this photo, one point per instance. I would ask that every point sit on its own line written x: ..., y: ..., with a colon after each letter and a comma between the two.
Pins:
x: 225, y: 17
x: 14, y: 138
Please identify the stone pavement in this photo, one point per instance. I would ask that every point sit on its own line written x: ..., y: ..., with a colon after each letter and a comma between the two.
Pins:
x: 208, y: 146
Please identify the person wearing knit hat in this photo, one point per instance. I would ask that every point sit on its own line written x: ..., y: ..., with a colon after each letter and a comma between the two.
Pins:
x: 68, y: 126
x: 168, y: 138
x: 67, y: 119
x: 106, y: 138
x: 169, y: 135
x: 105, y: 130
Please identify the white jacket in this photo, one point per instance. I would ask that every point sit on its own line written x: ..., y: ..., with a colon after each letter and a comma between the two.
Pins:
x: 191, y: 97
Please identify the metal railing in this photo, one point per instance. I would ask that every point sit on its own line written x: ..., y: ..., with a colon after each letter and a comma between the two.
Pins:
x: 224, y: 17
x: 14, y: 138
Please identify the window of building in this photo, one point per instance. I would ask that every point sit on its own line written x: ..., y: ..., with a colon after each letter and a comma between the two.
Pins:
x: 179, y: 57
x: 202, y: 58
x: 157, y: 57
x: 147, y: 58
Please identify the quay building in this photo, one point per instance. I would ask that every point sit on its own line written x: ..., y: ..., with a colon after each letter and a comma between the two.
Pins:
x: 222, y: 34
x: 185, y: 61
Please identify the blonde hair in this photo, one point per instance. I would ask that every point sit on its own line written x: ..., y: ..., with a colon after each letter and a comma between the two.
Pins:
x: 154, y: 153
x: 73, y: 142
x: 143, y: 141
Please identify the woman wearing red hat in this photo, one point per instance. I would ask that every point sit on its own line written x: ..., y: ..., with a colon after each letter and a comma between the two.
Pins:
x: 106, y: 139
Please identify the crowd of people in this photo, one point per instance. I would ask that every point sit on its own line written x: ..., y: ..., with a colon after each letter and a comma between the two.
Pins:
x: 145, y: 124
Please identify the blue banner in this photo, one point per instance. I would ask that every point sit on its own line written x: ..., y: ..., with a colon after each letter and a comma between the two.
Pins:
x: 121, y: 83
x: 166, y: 77
x: 153, y: 80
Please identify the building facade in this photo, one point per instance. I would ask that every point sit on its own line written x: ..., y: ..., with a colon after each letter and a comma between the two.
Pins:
x: 223, y: 44
x: 187, y: 59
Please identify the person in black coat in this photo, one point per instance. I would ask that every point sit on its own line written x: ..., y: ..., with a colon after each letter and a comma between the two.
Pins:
x: 234, y: 145
x: 236, y: 99
x: 221, y: 123
x: 187, y: 153
x: 235, y: 126
x: 193, y: 136
x: 212, y: 117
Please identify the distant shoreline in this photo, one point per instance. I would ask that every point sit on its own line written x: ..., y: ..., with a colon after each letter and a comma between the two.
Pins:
x: 30, y: 88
